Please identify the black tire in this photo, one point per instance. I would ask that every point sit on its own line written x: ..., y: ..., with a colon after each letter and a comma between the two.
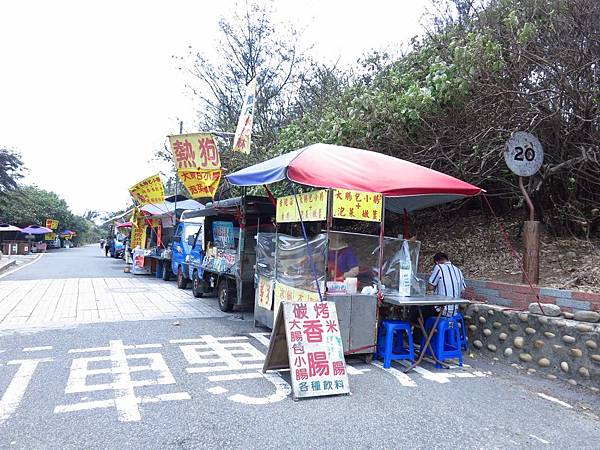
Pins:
x: 181, y: 279
x: 166, y: 272
x: 197, y: 285
x: 226, y: 299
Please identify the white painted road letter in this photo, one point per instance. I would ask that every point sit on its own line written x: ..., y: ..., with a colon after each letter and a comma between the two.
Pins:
x: 17, y: 387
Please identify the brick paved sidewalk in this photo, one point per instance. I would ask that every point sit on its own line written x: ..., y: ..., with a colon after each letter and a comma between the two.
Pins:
x: 89, y: 300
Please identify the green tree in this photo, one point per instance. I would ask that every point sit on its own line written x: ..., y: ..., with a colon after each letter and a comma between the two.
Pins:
x: 11, y: 168
x: 250, y: 44
x: 29, y: 205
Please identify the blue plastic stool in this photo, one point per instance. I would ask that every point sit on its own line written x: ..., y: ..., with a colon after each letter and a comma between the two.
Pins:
x: 447, y: 342
x: 463, y: 331
x: 388, y: 349
x: 461, y: 328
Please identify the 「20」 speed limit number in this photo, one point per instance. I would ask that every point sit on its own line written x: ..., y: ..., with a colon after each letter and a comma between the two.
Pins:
x: 523, y: 154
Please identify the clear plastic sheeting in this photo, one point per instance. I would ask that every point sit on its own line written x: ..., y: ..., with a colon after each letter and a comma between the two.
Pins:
x: 353, y: 255
x: 357, y: 255
x: 340, y: 258
x: 293, y: 264
x: 265, y: 255
x: 399, y: 268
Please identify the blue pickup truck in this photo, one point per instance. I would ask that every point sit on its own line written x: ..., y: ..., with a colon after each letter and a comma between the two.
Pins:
x: 117, y: 246
x: 181, y: 249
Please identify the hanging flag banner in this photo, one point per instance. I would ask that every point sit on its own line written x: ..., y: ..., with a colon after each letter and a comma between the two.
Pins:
x: 243, y: 132
x: 200, y: 184
x: 197, y: 151
x: 150, y: 190
x: 52, y: 224
x: 306, y: 339
x: 355, y: 205
x: 313, y: 207
x: 138, y: 230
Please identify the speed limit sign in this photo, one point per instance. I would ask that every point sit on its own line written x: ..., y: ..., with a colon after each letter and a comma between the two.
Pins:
x: 523, y: 154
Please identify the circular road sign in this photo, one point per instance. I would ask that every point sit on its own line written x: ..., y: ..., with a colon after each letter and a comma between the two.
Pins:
x: 523, y: 154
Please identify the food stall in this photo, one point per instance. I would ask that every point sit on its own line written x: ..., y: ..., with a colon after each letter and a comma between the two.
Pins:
x: 352, y: 269
x: 160, y: 220
x: 123, y: 230
x: 8, y: 237
x: 66, y: 236
x: 224, y: 254
x: 33, y: 234
x: 345, y: 264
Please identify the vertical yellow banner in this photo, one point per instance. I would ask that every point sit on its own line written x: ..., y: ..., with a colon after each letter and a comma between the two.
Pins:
x: 265, y: 292
x: 138, y: 230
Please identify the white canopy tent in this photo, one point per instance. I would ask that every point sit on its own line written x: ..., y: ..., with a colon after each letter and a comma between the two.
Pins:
x: 166, y: 208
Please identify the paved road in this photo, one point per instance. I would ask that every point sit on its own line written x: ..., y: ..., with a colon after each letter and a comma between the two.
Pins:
x: 193, y: 383
x: 79, y: 262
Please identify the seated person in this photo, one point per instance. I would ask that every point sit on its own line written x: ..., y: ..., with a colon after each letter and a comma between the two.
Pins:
x: 446, y: 279
x: 343, y: 263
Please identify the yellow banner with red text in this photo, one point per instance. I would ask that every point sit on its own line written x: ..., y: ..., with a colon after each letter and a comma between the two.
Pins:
x: 355, y: 205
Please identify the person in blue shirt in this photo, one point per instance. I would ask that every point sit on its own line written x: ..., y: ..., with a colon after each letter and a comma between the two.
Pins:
x: 343, y: 262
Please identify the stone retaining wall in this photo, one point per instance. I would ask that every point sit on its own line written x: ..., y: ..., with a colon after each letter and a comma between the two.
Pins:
x: 555, y: 346
x: 519, y: 296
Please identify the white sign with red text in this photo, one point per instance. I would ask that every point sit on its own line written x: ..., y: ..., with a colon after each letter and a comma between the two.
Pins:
x: 314, y: 348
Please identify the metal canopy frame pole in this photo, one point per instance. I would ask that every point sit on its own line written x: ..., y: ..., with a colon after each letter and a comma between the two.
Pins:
x: 328, y: 224
x: 308, y: 248
x: 241, y: 246
x: 379, y: 290
x: 381, y: 239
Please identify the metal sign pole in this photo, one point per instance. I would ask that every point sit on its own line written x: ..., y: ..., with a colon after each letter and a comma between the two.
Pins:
x: 177, y: 182
x: 524, y: 156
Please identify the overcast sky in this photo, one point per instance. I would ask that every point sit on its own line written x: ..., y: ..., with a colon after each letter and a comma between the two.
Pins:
x: 88, y: 89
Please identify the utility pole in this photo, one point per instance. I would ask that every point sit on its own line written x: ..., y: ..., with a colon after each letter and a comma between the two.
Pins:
x: 176, y: 181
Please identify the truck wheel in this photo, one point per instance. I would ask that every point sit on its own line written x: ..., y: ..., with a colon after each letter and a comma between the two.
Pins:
x: 166, y: 272
x: 197, y: 285
x: 181, y: 280
x: 226, y: 298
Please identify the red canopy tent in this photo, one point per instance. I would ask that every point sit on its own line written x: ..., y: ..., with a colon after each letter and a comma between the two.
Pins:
x: 406, y: 186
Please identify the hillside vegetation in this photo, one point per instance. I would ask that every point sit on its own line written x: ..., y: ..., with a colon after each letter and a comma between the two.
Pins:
x: 453, y: 100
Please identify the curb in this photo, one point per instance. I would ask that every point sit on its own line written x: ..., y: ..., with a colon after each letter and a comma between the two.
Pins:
x: 5, y: 273
x: 7, y: 266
